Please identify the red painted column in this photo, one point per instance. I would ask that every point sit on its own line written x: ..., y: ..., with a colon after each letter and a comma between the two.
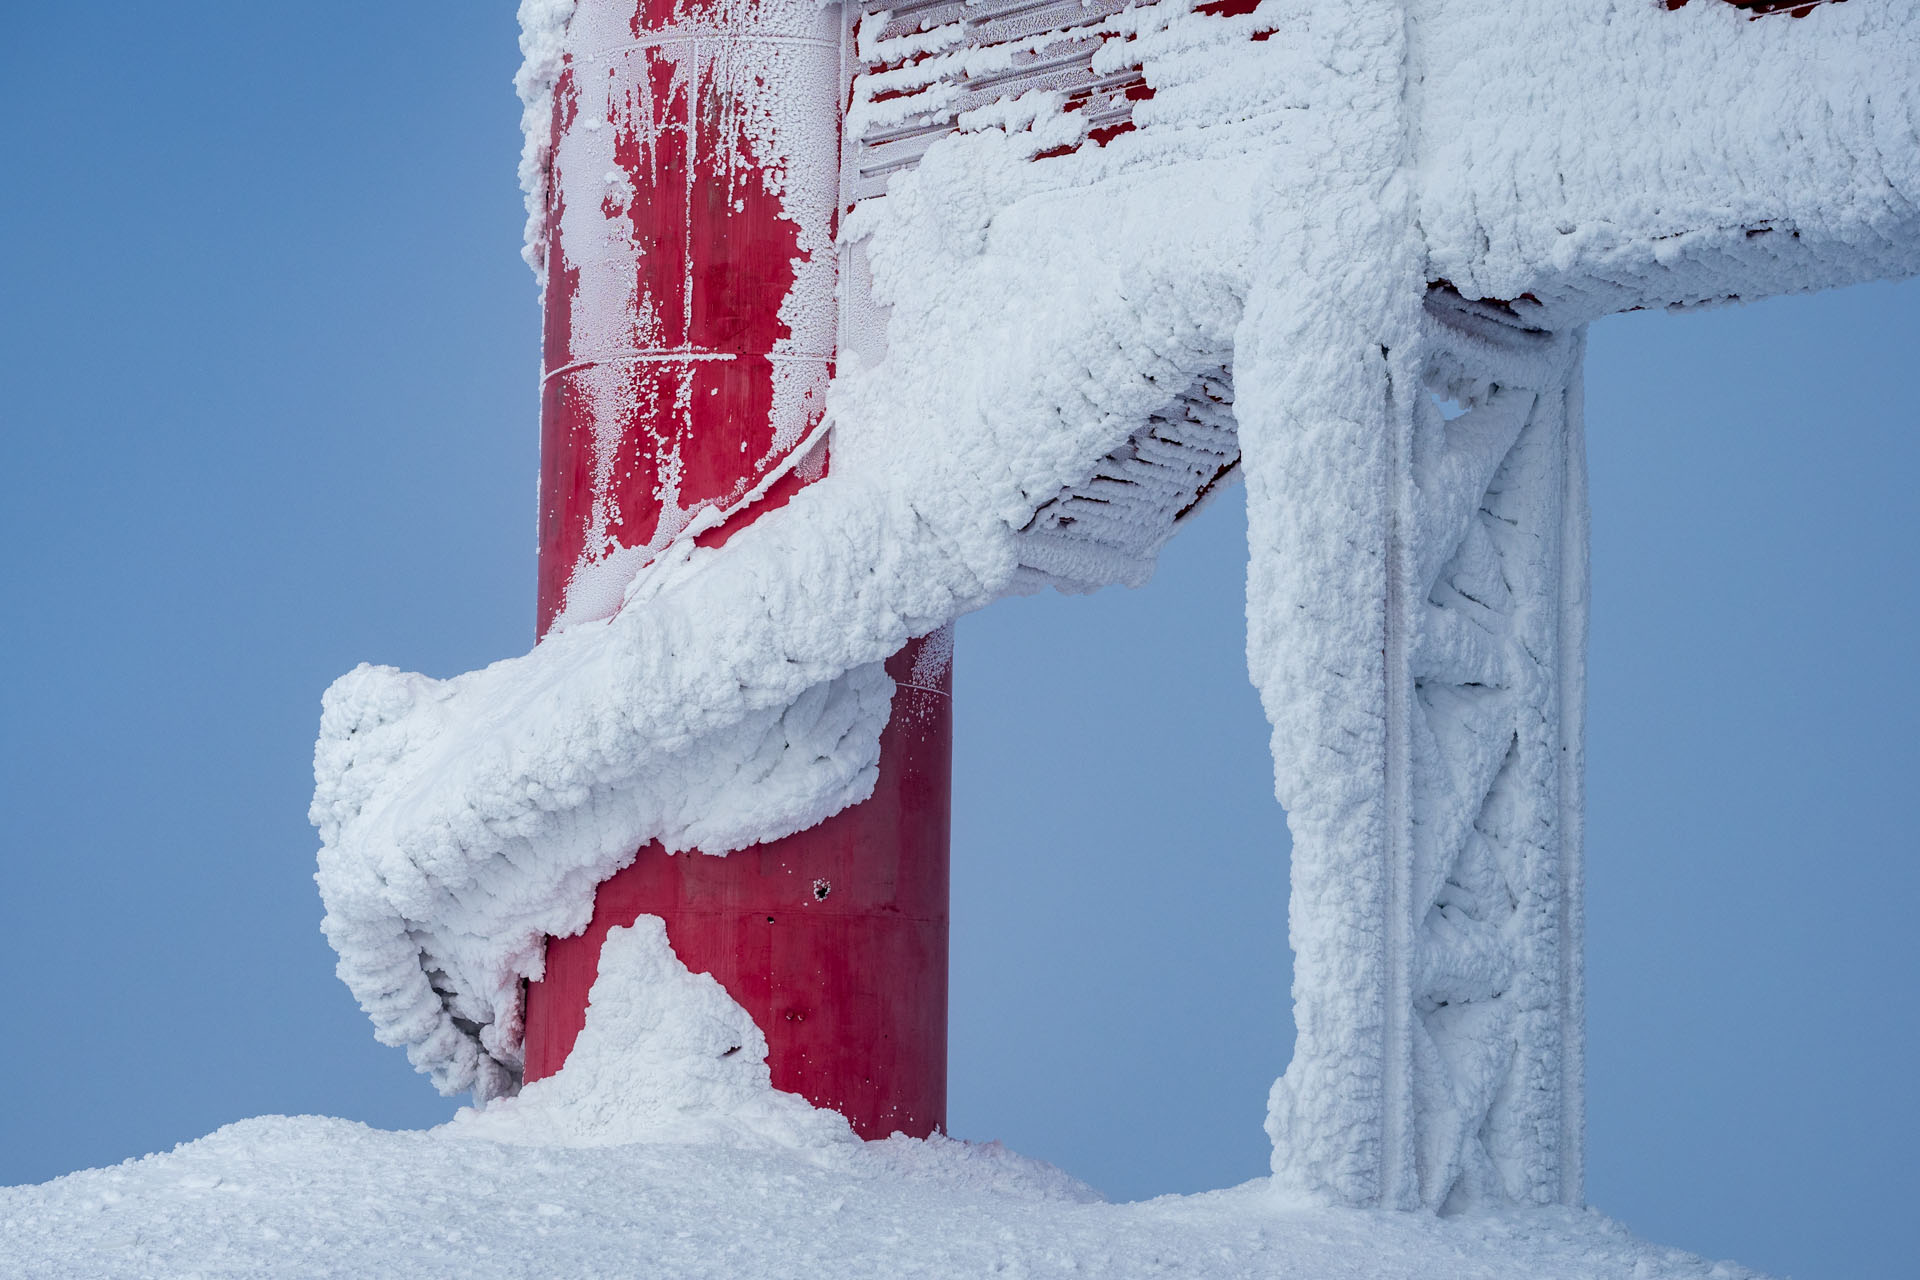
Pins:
x: 690, y: 322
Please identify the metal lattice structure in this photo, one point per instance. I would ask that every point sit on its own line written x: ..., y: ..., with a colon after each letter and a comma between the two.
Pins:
x: 1485, y: 644
x: 1132, y: 253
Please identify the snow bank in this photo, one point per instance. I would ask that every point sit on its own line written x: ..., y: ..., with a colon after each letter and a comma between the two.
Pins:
x: 665, y: 1056
x: 1279, y: 211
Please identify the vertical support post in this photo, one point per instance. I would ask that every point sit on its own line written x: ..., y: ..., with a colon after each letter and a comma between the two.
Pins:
x: 690, y: 334
x: 1571, y: 993
x: 1436, y: 806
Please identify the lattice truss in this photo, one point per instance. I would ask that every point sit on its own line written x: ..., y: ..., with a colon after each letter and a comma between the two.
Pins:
x: 1487, y: 633
x: 1480, y: 1053
x: 1460, y: 916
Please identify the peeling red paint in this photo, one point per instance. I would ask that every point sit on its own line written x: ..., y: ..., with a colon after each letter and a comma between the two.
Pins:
x: 666, y: 400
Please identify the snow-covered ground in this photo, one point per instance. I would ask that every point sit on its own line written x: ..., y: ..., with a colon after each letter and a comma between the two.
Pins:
x: 300, y: 1196
x: 662, y: 1150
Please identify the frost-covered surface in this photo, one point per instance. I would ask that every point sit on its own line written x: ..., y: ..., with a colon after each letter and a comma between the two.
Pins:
x: 1433, y: 775
x: 708, y: 1172
x: 1635, y: 157
x: 767, y: 143
x: 306, y: 1196
x: 543, y: 32
x: 560, y: 765
x: 1279, y: 212
x: 666, y: 1056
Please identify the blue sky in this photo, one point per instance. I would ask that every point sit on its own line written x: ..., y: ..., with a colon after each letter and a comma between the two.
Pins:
x: 268, y: 359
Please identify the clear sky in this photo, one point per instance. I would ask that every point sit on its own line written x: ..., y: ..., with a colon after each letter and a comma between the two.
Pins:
x: 267, y: 368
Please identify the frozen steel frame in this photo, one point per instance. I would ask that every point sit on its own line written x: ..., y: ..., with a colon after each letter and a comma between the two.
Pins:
x: 1438, y: 990
x: 1301, y: 241
x: 1452, y: 1072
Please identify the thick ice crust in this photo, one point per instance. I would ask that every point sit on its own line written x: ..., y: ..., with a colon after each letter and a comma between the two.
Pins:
x: 1280, y: 212
x: 1613, y: 155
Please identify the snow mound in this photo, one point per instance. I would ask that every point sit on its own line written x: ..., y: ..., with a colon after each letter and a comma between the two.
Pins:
x: 666, y: 1056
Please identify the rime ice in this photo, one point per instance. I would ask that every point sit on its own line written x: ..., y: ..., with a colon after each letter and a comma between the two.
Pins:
x: 1327, y: 217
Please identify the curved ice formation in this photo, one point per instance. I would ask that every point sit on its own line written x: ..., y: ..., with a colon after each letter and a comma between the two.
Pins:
x: 1304, y: 180
x: 737, y: 696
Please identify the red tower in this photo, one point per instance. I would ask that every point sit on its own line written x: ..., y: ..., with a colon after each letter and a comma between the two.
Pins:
x: 691, y: 321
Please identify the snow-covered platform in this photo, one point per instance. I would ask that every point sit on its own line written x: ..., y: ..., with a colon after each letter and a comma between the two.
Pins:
x: 305, y: 1196
x: 662, y: 1150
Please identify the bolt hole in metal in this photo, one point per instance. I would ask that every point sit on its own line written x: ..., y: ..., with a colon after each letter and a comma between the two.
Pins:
x: 821, y: 888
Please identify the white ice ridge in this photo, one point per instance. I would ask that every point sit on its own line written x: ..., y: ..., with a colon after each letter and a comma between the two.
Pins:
x: 1281, y: 212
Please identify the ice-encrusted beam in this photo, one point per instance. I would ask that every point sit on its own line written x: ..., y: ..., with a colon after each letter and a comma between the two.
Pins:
x: 1436, y: 610
x: 1273, y: 262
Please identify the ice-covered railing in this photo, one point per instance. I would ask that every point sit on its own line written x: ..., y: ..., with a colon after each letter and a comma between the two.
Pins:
x: 1349, y: 243
x: 1070, y: 71
x: 923, y: 67
x: 1761, y: 8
